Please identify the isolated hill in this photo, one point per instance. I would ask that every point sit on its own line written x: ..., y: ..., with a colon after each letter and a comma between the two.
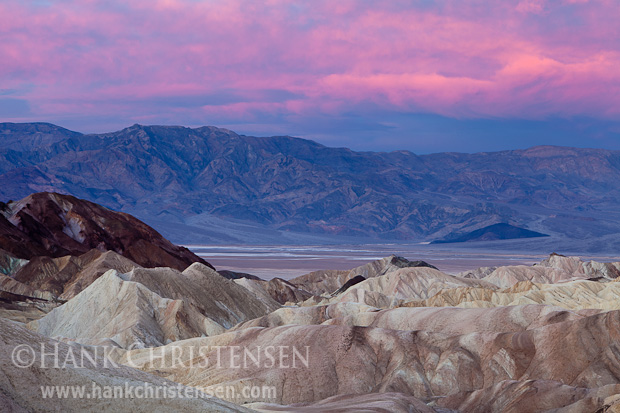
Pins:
x: 55, y: 225
x: 492, y: 232
x: 186, y: 179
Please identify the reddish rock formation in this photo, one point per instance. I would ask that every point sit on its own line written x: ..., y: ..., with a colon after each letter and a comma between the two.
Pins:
x: 55, y: 225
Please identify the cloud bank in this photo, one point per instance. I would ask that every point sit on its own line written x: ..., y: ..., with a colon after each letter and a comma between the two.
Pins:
x: 344, y: 72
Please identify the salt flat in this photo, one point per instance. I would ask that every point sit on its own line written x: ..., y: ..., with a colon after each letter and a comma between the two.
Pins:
x: 287, y: 262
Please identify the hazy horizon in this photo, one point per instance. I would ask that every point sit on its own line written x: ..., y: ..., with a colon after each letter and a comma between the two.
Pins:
x: 516, y: 147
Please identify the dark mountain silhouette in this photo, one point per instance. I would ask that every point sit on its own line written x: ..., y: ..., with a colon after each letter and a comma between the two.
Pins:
x: 193, y: 184
x: 492, y: 232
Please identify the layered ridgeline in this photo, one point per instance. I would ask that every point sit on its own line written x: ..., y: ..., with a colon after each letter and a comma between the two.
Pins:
x: 249, y: 189
x: 391, y: 335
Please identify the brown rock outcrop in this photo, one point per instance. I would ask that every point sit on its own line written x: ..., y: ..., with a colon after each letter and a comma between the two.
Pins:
x: 55, y: 225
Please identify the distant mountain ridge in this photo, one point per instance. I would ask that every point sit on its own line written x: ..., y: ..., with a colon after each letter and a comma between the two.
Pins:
x: 185, y: 178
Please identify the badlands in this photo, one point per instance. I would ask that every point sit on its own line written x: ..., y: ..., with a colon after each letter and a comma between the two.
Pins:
x: 393, y: 335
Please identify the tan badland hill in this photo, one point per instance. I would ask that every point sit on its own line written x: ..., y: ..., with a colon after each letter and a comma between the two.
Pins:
x: 20, y: 388
x: 406, y: 339
x: 152, y: 307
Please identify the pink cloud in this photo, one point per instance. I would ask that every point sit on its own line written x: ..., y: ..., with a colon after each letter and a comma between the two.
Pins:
x: 531, y: 6
x: 458, y: 60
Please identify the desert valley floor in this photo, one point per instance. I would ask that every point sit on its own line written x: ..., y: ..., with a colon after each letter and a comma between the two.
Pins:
x: 290, y: 261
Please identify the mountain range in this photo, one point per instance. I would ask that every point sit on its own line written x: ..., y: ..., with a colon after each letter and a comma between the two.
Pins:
x: 282, y: 189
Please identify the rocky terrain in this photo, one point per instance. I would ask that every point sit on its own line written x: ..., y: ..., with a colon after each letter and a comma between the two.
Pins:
x: 211, y: 185
x: 391, y: 335
x: 20, y: 388
x: 55, y: 225
x: 395, y: 342
x: 152, y: 307
x: 328, y: 281
x: 407, y: 338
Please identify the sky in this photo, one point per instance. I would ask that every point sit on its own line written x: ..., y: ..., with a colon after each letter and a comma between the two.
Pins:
x: 426, y: 76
